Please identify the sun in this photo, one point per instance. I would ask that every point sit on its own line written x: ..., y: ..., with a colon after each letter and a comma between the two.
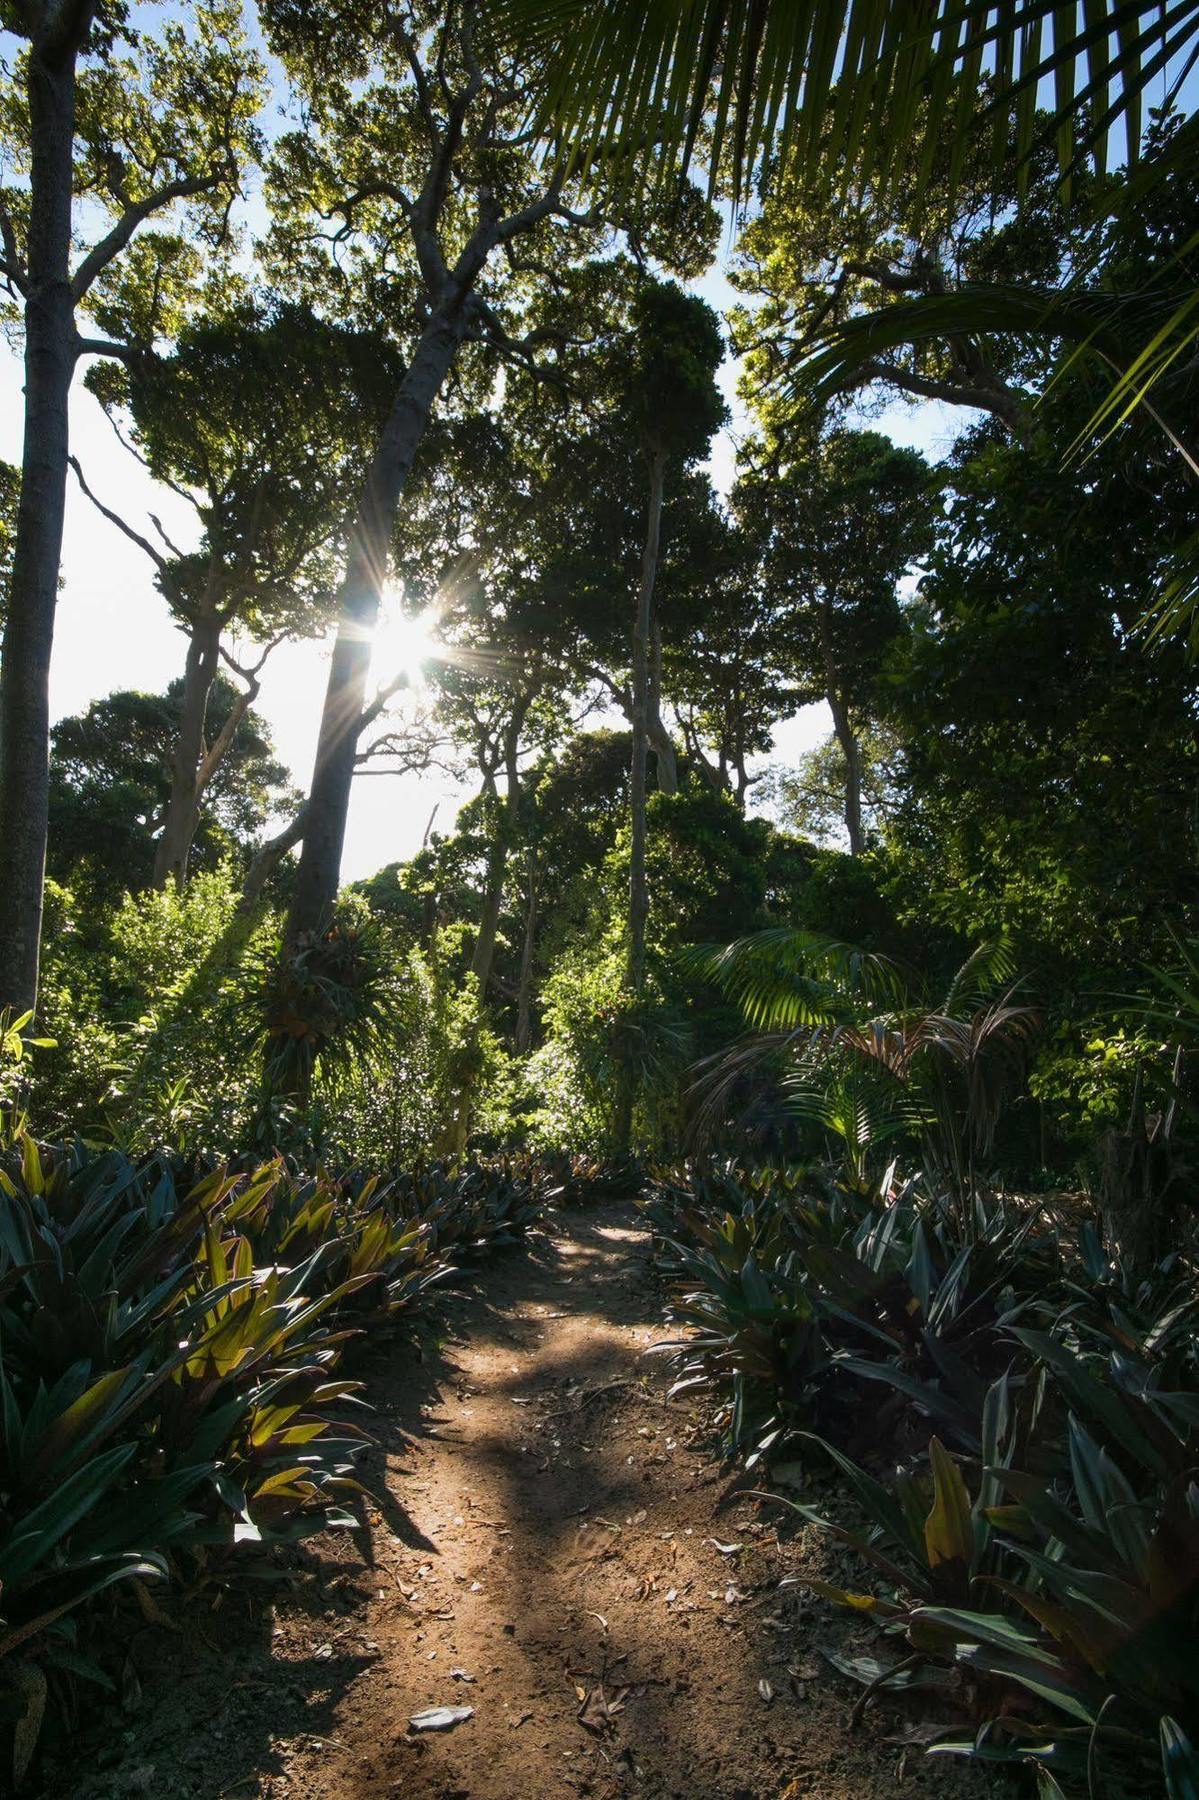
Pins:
x: 403, y: 644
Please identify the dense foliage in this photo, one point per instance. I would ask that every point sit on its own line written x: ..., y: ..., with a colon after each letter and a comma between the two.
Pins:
x: 893, y: 1034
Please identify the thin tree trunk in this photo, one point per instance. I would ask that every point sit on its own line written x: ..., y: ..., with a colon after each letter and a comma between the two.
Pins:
x: 638, y: 889
x: 366, y: 570
x: 846, y: 736
x: 483, y: 957
x: 50, y: 355
x: 638, y: 884
x: 524, y: 992
x: 266, y: 860
x: 660, y: 739
x: 482, y: 962
x: 851, y: 750
x: 183, y: 806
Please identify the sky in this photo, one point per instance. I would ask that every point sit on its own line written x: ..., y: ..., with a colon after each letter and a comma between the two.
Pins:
x: 114, y: 631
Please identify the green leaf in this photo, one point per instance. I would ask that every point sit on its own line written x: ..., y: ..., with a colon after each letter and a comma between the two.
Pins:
x: 1180, y: 1764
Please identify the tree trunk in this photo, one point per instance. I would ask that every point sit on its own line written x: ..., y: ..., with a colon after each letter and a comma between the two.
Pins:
x: 851, y: 750
x: 50, y: 354
x: 483, y: 958
x: 183, y: 806
x: 638, y: 889
x: 524, y: 992
x: 845, y: 734
x: 482, y: 962
x: 638, y: 885
x: 358, y: 610
x: 659, y: 737
x: 266, y: 860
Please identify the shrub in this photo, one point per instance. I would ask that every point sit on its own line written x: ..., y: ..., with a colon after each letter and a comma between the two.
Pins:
x: 172, y: 1382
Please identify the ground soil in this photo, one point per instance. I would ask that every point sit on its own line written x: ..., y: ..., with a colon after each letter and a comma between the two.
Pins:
x: 556, y: 1548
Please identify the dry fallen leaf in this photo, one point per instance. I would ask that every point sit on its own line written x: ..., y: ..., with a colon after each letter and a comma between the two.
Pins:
x: 440, y: 1718
x: 766, y: 1691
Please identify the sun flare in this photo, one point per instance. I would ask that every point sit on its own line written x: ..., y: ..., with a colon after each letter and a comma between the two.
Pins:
x: 404, y: 644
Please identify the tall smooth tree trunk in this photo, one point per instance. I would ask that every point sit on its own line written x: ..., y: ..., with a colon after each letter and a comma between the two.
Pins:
x: 358, y: 611
x: 660, y: 739
x: 638, y: 882
x: 851, y: 750
x: 524, y: 990
x: 483, y: 956
x: 642, y: 632
x: 846, y: 736
x: 183, y: 805
x: 50, y: 356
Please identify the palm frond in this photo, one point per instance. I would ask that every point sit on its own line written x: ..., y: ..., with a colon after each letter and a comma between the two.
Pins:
x: 784, y: 979
x: 985, y: 968
x: 754, y: 82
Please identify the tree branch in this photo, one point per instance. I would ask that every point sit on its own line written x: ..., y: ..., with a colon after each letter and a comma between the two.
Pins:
x: 1001, y: 404
x: 11, y: 266
x: 185, y: 187
x: 135, y: 537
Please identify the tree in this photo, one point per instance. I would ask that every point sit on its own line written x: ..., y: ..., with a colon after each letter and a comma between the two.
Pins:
x: 837, y: 529
x: 111, y: 777
x: 809, y: 797
x: 132, y: 138
x: 10, y: 496
x: 877, y: 93
x: 833, y: 263
x: 218, y: 421
x: 419, y: 147
x: 1048, y: 776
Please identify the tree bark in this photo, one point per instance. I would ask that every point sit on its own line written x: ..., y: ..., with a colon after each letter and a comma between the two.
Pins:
x: 845, y: 734
x: 183, y: 805
x: 366, y: 570
x: 851, y: 750
x: 638, y: 888
x: 659, y: 738
x: 640, y: 719
x: 483, y: 957
x: 524, y: 992
x: 266, y: 860
x: 50, y: 355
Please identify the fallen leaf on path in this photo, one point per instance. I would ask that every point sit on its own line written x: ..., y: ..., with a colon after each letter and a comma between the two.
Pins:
x: 440, y: 1718
x: 599, y: 1707
x: 928, y: 1733
x: 765, y: 1690
x: 515, y: 1724
x: 725, y: 1549
x: 460, y: 1675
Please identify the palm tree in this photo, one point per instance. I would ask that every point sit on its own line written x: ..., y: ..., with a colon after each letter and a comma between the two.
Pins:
x: 750, y: 82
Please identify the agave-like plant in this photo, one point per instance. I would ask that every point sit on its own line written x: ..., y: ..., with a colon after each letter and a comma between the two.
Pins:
x: 172, y: 1352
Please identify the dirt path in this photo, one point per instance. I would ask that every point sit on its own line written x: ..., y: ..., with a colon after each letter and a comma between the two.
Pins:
x: 545, y: 1556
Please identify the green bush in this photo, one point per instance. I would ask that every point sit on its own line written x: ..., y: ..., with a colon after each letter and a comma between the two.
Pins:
x: 1046, y: 1534
x: 172, y: 1382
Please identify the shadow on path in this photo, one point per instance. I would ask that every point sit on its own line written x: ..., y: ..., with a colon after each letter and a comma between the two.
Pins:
x: 549, y: 1548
